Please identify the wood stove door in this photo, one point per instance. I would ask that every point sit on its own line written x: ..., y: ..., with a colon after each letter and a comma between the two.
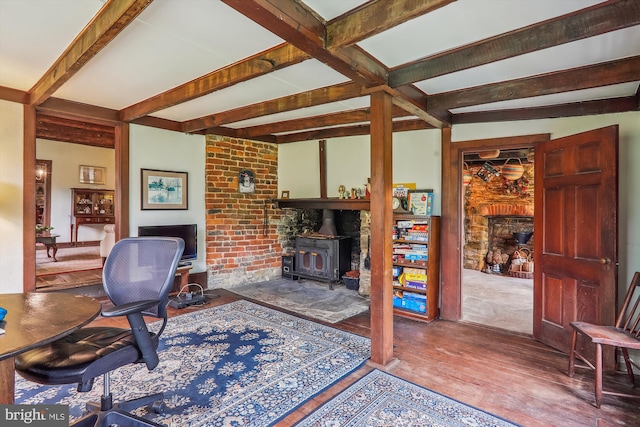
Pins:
x: 314, y: 261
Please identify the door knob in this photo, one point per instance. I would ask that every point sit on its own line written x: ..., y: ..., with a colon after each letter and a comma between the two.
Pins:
x: 605, y: 261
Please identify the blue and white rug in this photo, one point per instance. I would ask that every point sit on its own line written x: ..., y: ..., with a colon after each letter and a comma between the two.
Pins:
x: 381, y: 399
x: 235, y: 364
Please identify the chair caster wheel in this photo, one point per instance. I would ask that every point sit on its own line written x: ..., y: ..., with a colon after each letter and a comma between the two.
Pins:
x: 159, y: 407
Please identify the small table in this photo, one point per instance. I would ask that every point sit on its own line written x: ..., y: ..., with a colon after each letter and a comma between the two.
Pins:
x: 49, y: 240
x: 183, y: 272
x: 36, y: 319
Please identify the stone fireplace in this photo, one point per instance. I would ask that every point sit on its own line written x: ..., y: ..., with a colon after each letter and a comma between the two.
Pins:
x: 493, y: 213
x: 301, y: 226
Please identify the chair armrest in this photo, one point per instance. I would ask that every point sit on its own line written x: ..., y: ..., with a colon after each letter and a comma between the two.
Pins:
x: 133, y: 311
x: 130, y: 308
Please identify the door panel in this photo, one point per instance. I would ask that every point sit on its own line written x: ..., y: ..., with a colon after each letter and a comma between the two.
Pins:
x: 552, y: 229
x: 576, y: 193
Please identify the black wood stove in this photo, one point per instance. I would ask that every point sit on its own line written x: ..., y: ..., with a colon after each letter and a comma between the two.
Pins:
x: 324, y: 255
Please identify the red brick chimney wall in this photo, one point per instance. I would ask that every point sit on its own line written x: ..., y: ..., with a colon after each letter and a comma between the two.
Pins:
x: 241, y: 248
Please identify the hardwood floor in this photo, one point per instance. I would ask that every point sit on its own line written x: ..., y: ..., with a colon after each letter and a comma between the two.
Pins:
x: 507, y: 374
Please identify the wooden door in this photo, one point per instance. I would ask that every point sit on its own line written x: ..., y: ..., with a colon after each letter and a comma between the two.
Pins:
x: 576, y: 200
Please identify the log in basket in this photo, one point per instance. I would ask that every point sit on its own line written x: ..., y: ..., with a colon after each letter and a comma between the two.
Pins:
x: 521, y: 264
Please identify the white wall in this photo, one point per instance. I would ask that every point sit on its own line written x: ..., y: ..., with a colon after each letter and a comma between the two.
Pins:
x: 66, y: 160
x: 416, y: 158
x: 301, y: 173
x: 159, y: 149
x: 11, y: 196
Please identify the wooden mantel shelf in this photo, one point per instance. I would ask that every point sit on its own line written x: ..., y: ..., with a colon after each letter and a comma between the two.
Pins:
x: 334, y: 203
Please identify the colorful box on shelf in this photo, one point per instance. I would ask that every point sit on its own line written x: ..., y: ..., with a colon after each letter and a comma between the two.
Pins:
x: 410, y: 274
x: 411, y: 277
x: 414, y: 237
x: 416, y: 285
x: 397, y: 301
x: 414, y: 304
x: 416, y: 257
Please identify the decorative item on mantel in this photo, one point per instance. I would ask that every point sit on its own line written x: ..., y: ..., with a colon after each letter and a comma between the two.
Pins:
x: 342, y: 192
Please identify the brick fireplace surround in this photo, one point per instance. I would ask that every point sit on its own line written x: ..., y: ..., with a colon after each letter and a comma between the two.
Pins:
x: 240, y: 247
x: 242, y: 244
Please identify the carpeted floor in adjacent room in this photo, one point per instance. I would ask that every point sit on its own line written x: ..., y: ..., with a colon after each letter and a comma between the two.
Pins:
x: 76, y: 266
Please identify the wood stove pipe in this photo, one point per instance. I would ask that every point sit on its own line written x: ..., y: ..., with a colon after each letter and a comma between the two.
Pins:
x: 328, y: 227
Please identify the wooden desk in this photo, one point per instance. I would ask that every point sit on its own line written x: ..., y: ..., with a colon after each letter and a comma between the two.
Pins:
x: 36, y: 319
x: 49, y: 240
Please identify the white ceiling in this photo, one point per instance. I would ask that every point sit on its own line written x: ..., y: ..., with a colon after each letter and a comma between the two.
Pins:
x: 174, y: 41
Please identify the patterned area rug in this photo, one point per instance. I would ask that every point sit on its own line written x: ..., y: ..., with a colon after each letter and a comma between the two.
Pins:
x: 235, y: 364
x: 380, y: 399
x: 307, y: 297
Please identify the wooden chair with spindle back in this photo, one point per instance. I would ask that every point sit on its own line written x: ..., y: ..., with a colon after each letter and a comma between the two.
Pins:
x: 624, y: 335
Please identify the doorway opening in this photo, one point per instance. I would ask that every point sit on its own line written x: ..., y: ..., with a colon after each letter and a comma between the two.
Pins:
x: 62, y: 260
x: 497, y: 264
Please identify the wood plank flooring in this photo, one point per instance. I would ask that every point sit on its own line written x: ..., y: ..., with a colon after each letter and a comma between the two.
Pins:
x: 506, y: 374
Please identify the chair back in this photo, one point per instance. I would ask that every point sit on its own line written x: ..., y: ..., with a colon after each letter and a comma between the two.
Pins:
x: 629, y: 317
x: 142, y: 268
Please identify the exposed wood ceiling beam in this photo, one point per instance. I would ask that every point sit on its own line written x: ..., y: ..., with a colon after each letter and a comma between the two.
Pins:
x: 160, y: 123
x: 604, y: 74
x: 273, y: 59
x: 319, y: 96
x: 112, y: 18
x: 14, y: 95
x: 79, y: 111
x: 375, y: 17
x: 592, y: 21
x: 336, y: 132
x: 78, y: 132
x: 601, y: 106
x: 324, y: 120
x: 294, y: 22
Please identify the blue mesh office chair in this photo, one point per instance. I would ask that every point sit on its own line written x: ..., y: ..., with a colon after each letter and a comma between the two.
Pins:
x: 137, y: 277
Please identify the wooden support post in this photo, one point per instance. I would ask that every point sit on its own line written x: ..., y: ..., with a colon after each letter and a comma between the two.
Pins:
x: 122, y: 180
x: 450, y: 284
x: 29, y: 200
x: 322, y: 146
x: 381, y: 225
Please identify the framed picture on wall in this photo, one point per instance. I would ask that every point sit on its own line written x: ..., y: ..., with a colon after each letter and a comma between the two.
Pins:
x: 246, y: 181
x: 163, y: 190
x: 92, y: 175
